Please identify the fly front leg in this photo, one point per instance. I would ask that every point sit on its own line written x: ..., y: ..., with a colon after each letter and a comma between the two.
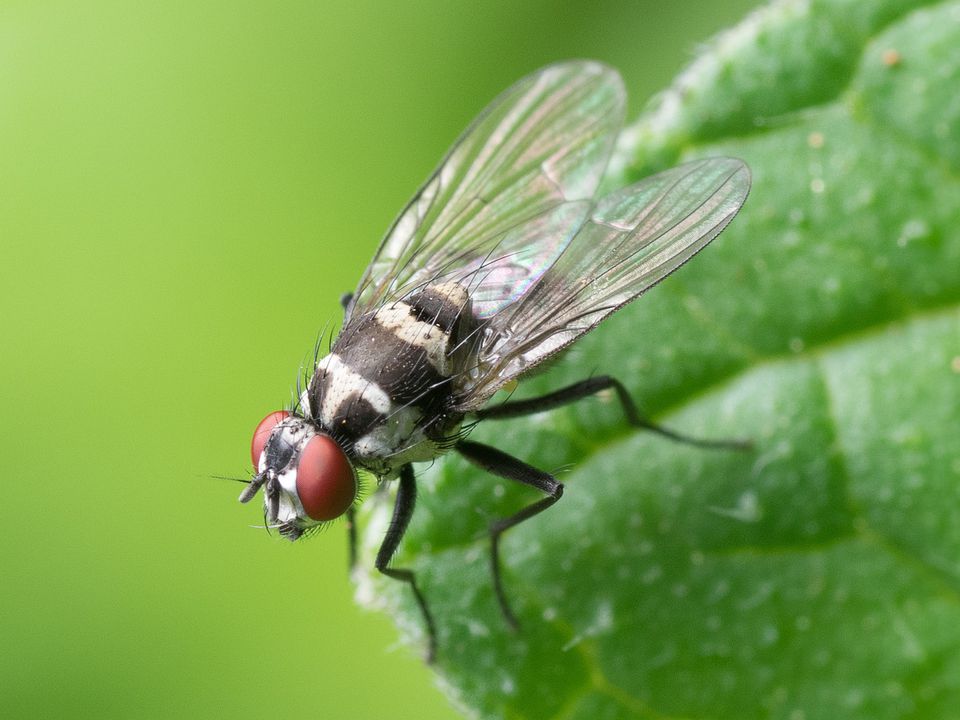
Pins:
x: 402, y: 512
x: 352, y: 538
x: 506, y: 466
x: 592, y: 386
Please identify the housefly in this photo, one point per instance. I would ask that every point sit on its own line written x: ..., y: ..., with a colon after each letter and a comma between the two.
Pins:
x: 503, y: 258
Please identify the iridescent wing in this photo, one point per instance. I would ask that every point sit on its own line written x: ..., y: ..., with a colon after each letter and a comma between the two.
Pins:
x: 632, y: 239
x: 508, y: 196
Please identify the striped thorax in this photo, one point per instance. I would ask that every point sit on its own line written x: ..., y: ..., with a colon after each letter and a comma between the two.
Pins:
x: 384, y: 392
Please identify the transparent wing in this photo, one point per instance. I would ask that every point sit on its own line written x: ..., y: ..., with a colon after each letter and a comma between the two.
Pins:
x: 632, y: 239
x: 499, y: 209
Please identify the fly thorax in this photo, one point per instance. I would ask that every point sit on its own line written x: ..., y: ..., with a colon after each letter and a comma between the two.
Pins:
x: 385, y: 388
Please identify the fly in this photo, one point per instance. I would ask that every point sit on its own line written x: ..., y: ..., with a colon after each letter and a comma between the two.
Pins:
x: 503, y: 258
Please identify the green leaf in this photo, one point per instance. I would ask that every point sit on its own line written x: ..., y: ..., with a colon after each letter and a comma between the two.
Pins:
x: 818, y: 575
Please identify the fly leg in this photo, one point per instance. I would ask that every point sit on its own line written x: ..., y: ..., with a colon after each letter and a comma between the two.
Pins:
x: 352, y: 537
x: 345, y: 301
x: 402, y: 512
x: 506, y: 466
x: 592, y: 386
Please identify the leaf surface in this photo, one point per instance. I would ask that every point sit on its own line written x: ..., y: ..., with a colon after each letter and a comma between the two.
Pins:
x: 818, y: 575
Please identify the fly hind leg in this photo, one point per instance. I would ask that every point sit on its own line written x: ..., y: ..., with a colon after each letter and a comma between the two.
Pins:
x: 592, y: 386
x: 506, y: 466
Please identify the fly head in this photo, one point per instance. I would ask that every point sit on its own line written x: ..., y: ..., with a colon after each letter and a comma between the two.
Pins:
x: 306, y: 477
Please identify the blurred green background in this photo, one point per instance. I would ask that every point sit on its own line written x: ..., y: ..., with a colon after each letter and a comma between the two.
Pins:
x: 187, y: 189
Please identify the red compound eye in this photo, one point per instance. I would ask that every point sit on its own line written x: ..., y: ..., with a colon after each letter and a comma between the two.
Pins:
x: 262, y: 434
x: 326, y: 483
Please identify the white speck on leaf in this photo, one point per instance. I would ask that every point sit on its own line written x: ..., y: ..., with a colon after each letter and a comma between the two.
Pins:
x: 746, y: 510
x: 853, y: 698
x: 665, y: 656
x: 763, y: 591
x: 912, y: 648
x: 720, y: 590
x: 478, y: 629
x: 913, y: 229
x: 602, y: 623
x: 770, y: 635
x: 781, y: 451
